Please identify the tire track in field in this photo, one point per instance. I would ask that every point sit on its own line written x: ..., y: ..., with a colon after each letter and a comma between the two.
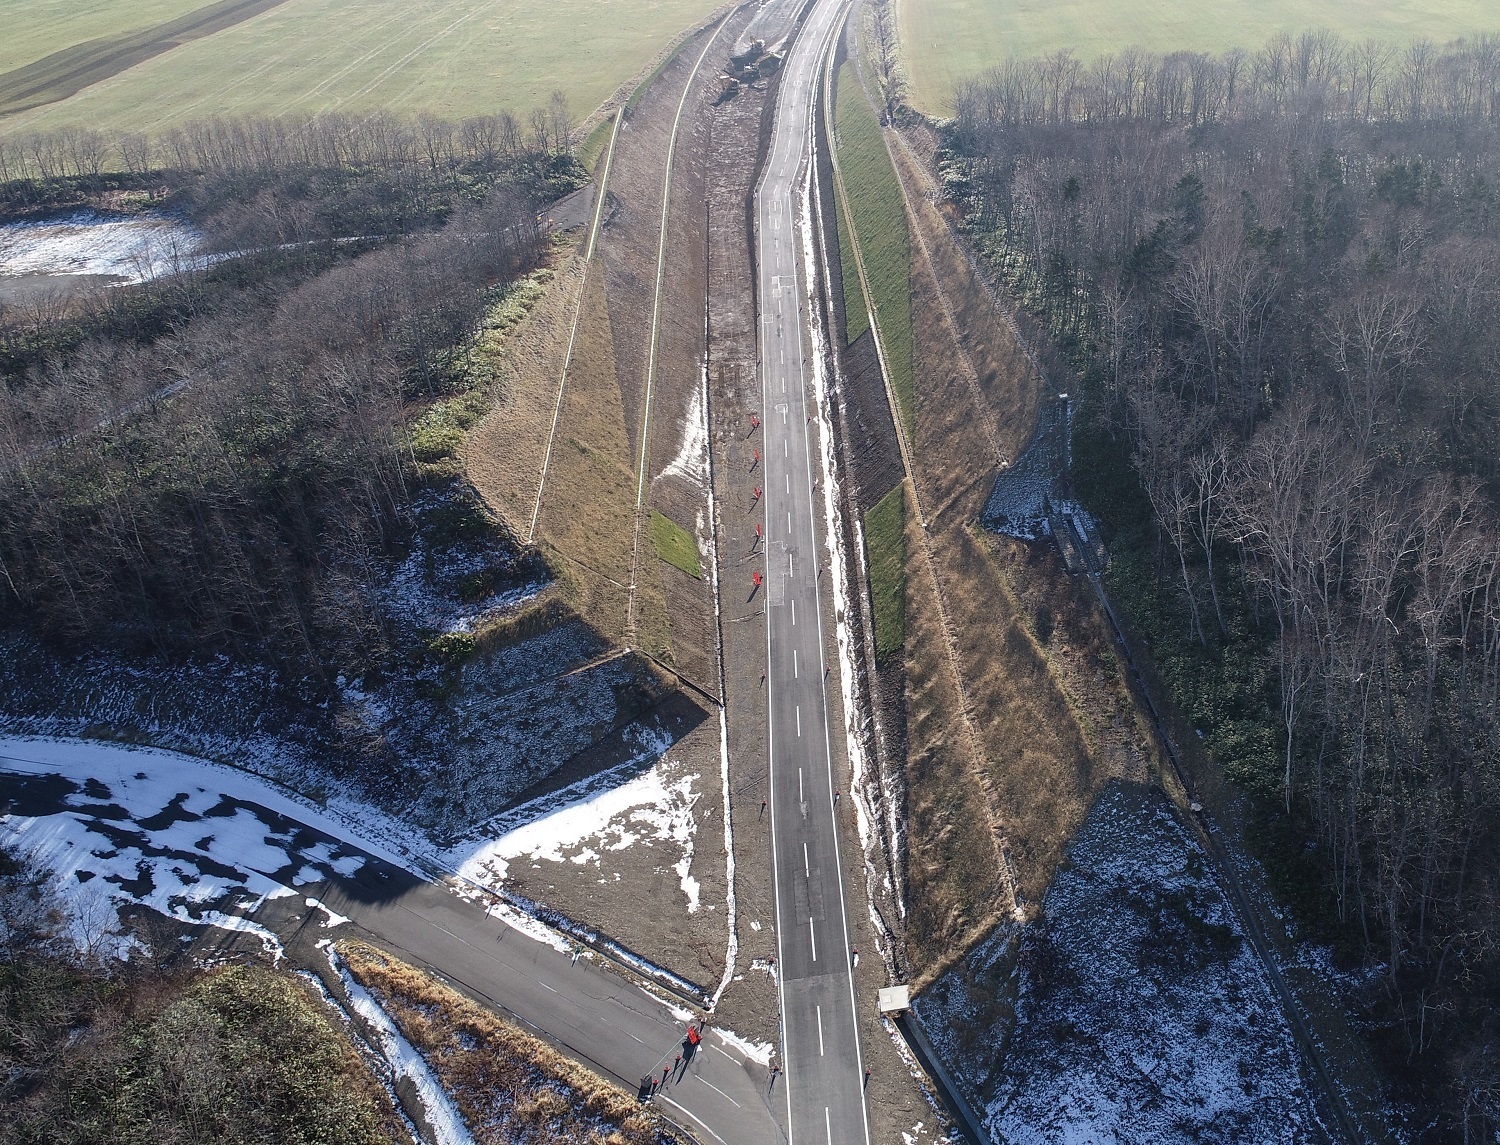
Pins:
x: 415, y: 52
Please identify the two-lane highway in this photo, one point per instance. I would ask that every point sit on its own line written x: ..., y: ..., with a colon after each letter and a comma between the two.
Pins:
x: 824, y: 1072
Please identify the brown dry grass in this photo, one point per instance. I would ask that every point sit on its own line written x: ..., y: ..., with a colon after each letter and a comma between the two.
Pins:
x: 586, y: 526
x: 511, y: 1088
x: 1044, y: 737
x: 955, y: 883
x: 503, y: 455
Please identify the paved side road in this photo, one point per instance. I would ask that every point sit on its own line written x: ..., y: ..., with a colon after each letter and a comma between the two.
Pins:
x: 824, y: 1072
x: 596, y: 1015
x: 588, y: 1008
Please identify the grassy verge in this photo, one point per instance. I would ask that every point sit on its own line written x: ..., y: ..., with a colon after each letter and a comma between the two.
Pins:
x: 508, y: 1085
x: 856, y: 310
x: 675, y: 545
x: 885, y: 548
x: 437, y: 435
x: 879, y: 223
x: 592, y: 148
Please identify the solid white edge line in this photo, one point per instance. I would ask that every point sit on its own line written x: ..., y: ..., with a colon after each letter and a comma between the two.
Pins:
x: 811, y: 182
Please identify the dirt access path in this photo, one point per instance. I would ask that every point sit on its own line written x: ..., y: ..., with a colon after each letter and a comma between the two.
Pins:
x: 584, y: 516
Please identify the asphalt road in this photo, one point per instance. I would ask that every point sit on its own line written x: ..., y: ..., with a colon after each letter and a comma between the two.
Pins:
x: 824, y: 1072
x: 596, y: 1015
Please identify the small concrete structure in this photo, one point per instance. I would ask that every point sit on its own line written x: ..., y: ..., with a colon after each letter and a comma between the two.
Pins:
x: 895, y: 999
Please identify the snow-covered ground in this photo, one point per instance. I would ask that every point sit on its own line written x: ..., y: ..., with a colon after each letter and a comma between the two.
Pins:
x: 691, y: 462
x: 585, y: 825
x: 207, y: 844
x: 191, y: 840
x: 133, y: 248
x: 1141, y: 1014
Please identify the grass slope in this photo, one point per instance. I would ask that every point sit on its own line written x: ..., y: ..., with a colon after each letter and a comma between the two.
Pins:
x: 944, y: 42
x: 880, y: 227
x: 675, y: 545
x: 856, y: 312
x: 451, y: 57
x: 885, y: 546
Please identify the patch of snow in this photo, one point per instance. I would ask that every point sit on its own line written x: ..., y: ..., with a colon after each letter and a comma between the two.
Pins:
x: 191, y: 828
x: 332, y: 917
x: 269, y: 940
x: 674, y: 1008
x: 1142, y: 1014
x: 410, y: 597
x: 758, y: 1052
x: 132, y: 249
x: 691, y: 462
x: 641, y: 811
x: 404, y: 1060
x: 519, y: 920
x: 708, y: 536
x: 99, y: 864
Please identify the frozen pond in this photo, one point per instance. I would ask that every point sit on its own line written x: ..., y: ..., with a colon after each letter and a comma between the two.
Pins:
x: 97, y: 248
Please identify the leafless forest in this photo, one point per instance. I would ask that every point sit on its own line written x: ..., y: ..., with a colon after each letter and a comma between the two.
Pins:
x: 219, y: 459
x: 1280, y: 278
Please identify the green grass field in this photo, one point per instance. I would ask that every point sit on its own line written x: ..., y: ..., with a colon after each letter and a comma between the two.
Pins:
x: 450, y: 57
x: 944, y: 42
x: 37, y: 28
x: 880, y: 228
x: 675, y: 545
x: 885, y: 549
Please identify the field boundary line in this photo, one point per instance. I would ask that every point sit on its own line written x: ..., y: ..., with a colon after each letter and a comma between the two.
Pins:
x: 661, y: 266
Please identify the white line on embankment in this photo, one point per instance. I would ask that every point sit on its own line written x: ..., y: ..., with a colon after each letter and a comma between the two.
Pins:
x: 588, y: 257
x: 661, y: 266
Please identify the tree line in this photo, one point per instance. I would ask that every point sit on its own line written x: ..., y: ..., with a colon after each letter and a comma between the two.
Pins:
x: 1279, y: 280
x: 1316, y: 72
x: 329, y: 140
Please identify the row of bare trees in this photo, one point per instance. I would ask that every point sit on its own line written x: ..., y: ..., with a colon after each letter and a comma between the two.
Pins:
x: 1316, y: 72
x: 327, y: 141
x: 1290, y: 323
